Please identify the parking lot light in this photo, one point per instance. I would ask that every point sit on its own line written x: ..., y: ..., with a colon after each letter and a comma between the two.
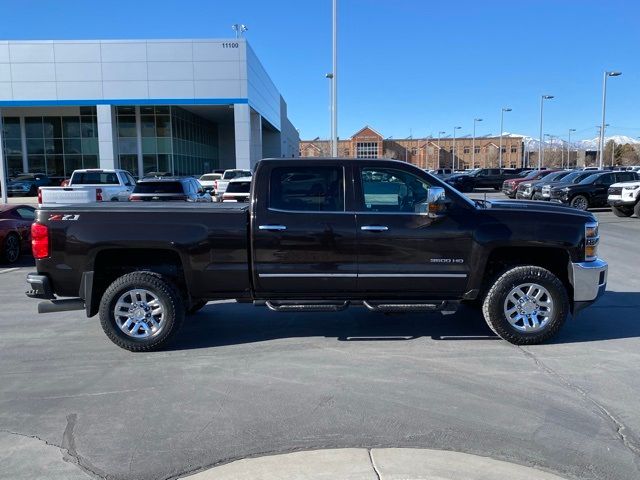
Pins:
x: 540, y: 149
x: 504, y: 109
x: 604, y: 108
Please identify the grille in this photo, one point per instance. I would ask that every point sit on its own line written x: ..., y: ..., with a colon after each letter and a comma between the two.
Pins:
x: 615, y: 191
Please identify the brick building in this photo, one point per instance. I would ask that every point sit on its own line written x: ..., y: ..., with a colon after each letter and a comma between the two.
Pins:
x: 422, y: 152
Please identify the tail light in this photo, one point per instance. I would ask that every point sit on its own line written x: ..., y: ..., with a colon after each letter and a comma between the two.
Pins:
x: 98, y: 194
x: 39, y: 240
x: 135, y: 198
x: 39, y: 196
x: 215, y: 184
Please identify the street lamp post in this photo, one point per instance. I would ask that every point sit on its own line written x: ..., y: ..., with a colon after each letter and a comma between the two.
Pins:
x: 604, y: 108
x: 569, y: 147
x: 501, y: 130
x: 540, y: 149
x: 453, y: 158
x: 334, y: 81
x: 473, y: 142
x: 439, y: 133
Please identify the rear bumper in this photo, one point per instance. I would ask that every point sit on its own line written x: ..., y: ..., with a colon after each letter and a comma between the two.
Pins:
x: 41, y: 288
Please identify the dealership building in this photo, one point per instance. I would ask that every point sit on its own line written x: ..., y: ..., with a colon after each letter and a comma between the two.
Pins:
x: 181, y: 106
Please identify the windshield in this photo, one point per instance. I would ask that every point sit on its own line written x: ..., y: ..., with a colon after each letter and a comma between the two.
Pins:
x: 555, y: 176
x: 231, y: 174
x: 23, y: 178
x: 158, y: 187
x: 590, y: 179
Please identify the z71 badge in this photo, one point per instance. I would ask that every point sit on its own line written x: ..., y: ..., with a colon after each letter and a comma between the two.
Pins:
x: 67, y: 217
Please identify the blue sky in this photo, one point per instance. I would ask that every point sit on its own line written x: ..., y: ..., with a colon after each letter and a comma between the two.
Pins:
x: 405, y: 66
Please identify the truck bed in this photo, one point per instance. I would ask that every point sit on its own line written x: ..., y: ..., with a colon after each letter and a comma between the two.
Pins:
x: 209, y: 241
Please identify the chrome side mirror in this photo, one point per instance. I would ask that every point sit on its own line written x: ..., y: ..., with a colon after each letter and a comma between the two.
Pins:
x: 435, y: 203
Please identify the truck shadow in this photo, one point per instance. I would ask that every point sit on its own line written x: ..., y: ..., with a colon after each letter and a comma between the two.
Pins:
x: 219, y: 324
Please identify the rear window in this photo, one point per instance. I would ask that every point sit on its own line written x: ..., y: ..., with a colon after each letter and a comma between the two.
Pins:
x: 239, y: 187
x: 236, y: 174
x: 210, y: 177
x: 158, y: 187
x: 311, y: 189
x: 94, y: 178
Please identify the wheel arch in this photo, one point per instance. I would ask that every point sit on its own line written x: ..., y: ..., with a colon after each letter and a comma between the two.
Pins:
x: 110, y: 264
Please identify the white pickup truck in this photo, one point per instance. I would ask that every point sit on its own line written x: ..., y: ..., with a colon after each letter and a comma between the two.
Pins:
x: 624, y: 198
x: 220, y: 186
x: 88, y: 186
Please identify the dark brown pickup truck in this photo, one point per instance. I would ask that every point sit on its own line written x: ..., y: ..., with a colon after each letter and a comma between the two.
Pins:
x: 319, y: 235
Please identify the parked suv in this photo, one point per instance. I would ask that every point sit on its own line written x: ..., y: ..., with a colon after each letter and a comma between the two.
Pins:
x: 542, y: 191
x: 208, y: 182
x: 592, y: 191
x: 624, y: 198
x: 526, y: 190
x: 510, y: 186
x: 167, y: 189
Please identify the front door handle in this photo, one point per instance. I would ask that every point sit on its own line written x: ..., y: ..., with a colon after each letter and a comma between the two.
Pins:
x: 275, y: 228
x: 374, y: 228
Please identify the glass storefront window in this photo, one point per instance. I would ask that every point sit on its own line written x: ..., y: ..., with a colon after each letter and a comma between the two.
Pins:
x: 11, y: 127
x: 71, y: 127
x: 72, y: 147
x: 52, y: 127
x: 33, y: 127
x: 148, y: 125
x: 126, y: 126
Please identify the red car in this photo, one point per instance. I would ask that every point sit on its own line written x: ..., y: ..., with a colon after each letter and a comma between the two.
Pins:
x: 15, y: 231
x: 510, y: 187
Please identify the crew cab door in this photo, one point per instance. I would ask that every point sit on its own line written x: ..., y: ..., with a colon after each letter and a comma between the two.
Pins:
x: 403, y: 249
x: 601, y: 188
x: 304, y: 239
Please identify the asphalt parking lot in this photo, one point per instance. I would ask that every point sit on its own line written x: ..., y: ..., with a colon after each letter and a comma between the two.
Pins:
x: 242, y: 381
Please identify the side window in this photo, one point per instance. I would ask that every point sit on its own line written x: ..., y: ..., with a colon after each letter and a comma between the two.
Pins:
x: 26, y: 213
x: 391, y: 190
x: 307, y: 189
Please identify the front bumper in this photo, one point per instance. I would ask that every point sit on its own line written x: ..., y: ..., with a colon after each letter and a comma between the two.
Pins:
x: 589, y: 280
x: 523, y: 194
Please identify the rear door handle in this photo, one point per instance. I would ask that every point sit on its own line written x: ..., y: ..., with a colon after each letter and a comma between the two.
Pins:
x: 275, y: 228
x: 374, y: 228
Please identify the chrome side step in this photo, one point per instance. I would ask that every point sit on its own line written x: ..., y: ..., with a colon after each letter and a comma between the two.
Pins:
x: 444, y: 307
x: 302, y: 306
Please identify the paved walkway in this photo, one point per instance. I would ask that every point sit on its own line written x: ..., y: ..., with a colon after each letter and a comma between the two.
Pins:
x: 374, y: 464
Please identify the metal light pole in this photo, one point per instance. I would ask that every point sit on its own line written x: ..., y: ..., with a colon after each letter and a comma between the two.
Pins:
x: 330, y: 77
x: 334, y: 84
x: 501, y: 130
x: 613, y: 151
x: 3, y: 171
x: 569, y: 147
x: 439, y: 133
x: 540, y: 149
x: 473, y: 142
x: 604, y: 108
x: 453, y: 158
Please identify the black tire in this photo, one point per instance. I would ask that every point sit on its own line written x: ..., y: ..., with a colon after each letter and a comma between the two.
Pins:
x: 636, y: 209
x: 494, y: 307
x: 196, y: 307
x: 168, y: 296
x: 622, y: 211
x: 10, y: 248
x: 580, y: 202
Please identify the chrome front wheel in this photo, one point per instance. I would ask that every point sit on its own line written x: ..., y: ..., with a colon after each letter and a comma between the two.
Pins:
x: 528, y: 307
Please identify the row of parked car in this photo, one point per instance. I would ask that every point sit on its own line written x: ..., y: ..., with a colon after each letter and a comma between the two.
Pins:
x: 103, y: 185
x: 580, y: 189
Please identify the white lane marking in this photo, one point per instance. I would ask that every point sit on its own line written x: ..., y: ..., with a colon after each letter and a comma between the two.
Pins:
x: 7, y: 270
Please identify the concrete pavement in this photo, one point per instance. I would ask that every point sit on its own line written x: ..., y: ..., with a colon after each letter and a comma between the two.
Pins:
x: 372, y: 464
